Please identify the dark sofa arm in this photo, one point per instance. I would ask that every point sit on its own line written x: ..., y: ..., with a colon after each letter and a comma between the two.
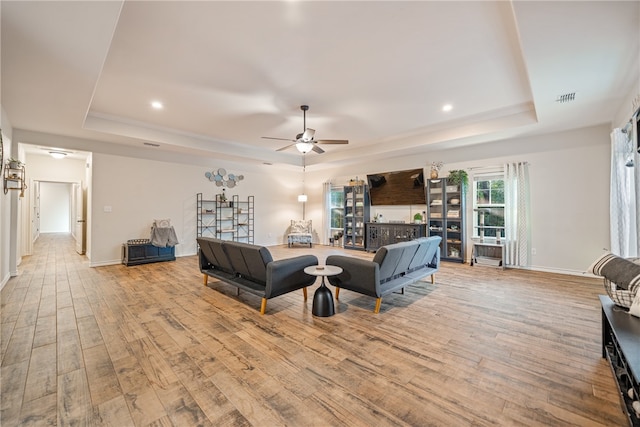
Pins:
x: 202, y: 260
x: 287, y: 275
x: 357, y: 275
x: 435, y: 262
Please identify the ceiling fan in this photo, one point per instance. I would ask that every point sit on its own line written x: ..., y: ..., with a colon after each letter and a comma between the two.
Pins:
x: 304, y: 141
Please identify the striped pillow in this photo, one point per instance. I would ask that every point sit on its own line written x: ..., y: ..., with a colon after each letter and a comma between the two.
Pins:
x: 624, y: 273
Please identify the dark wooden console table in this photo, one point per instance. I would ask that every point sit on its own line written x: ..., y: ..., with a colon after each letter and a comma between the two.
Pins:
x: 621, y: 346
x: 379, y: 233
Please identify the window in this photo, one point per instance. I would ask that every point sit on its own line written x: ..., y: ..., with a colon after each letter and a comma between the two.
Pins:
x: 336, y: 208
x: 488, y: 206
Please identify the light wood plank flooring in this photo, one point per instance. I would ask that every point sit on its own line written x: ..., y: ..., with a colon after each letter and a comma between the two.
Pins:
x: 149, y: 345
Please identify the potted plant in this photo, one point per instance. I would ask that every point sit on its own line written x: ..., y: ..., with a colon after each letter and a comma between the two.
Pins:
x: 417, y: 218
x: 458, y: 177
x: 14, y: 163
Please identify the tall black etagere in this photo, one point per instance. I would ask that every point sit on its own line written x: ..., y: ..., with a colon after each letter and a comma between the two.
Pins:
x: 226, y: 219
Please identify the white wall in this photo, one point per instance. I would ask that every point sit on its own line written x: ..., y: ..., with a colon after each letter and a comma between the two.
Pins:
x: 128, y: 194
x: 5, y: 205
x: 55, y: 207
x: 569, y: 174
x: 569, y: 184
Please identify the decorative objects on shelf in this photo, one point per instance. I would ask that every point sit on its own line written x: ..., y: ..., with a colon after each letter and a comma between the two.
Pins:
x: 14, y: 176
x: 435, y: 167
x: 223, y: 179
x: 445, y: 217
x: 14, y: 163
x: 356, y: 214
x: 228, y: 219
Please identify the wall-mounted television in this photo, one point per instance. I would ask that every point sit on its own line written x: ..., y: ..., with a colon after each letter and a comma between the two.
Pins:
x: 397, y: 188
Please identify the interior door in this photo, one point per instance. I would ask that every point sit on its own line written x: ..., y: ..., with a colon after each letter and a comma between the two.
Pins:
x: 80, y: 224
x: 35, y: 217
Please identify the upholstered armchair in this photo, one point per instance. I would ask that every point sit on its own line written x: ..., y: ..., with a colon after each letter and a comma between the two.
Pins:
x: 300, y: 232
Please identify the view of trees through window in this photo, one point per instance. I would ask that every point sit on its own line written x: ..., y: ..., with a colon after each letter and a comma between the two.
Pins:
x: 488, y: 212
x: 336, y: 207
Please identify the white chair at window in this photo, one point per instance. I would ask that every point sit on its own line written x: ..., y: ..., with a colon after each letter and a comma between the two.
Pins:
x: 300, y: 231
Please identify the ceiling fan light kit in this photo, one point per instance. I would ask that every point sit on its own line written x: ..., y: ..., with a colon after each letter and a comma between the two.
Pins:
x: 305, y: 141
x: 304, y: 147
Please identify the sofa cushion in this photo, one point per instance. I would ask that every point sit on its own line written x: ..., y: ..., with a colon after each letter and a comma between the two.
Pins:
x: 213, y: 252
x: 426, y: 252
x: 250, y: 261
x: 394, y: 259
x: 300, y: 226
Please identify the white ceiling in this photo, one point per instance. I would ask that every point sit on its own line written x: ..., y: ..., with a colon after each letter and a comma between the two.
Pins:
x: 375, y: 73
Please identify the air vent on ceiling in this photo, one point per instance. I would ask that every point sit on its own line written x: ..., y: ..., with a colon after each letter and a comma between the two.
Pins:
x: 567, y: 97
x: 151, y: 144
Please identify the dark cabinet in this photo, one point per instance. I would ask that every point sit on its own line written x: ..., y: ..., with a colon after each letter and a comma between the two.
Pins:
x: 135, y: 253
x: 445, y: 217
x: 356, y: 215
x: 381, y: 234
x: 621, y: 347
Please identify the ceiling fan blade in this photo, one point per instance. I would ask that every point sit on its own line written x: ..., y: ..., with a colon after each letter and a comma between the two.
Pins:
x: 308, y: 134
x: 285, y: 147
x: 278, y: 139
x: 317, y: 149
x: 332, y: 141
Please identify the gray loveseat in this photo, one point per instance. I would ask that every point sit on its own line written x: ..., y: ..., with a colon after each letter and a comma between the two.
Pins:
x: 252, y: 268
x: 393, y: 268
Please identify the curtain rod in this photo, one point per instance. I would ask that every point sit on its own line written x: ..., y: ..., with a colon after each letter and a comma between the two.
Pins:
x: 495, y: 166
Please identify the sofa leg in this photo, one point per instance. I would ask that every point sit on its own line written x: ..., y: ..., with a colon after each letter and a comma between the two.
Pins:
x: 378, y: 302
x: 263, y: 306
x: 304, y: 292
x: 206, y: 279
x: 433, y: 279
x: 337, y: 292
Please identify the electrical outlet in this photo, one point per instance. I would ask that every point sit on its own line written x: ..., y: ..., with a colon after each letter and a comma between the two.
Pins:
x: 533, y: 251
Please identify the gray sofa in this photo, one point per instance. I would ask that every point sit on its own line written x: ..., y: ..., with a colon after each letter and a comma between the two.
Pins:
x: 393, y: 268
x: 252, y: 268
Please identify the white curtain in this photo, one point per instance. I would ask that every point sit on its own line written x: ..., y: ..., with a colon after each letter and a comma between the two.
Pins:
x: 624, y: 198
x: 326, y: 218
x: 517, y: 214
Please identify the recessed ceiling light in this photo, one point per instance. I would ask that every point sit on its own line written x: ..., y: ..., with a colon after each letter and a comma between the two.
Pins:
x: 157, y: 105
x: 447, y: 107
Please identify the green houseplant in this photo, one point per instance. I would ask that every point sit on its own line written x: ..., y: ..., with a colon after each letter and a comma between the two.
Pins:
x: 458, y: 177
x: 14, y: 163
x: 417, y: 218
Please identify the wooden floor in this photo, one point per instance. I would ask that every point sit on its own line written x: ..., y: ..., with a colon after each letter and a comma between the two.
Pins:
x: 149, y: 345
